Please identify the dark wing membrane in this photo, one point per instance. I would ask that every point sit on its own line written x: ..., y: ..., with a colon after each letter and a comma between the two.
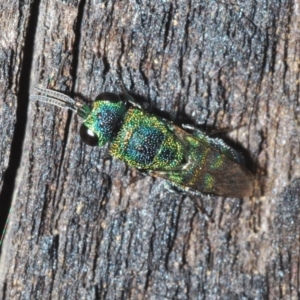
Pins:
x: 231, y: 181
x: 208, y: 169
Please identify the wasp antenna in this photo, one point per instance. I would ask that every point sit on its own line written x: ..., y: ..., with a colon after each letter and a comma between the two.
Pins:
x: 53, y: 102
x: 55, y: 98
x: 54, y: 95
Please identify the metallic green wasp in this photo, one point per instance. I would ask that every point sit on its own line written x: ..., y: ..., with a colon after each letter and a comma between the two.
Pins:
x: 188, y: 160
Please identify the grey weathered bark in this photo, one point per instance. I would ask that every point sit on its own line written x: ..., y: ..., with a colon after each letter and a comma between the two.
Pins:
x: 84, y: 225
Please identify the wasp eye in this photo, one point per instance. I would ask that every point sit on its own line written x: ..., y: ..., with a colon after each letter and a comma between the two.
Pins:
x: 88, y: 136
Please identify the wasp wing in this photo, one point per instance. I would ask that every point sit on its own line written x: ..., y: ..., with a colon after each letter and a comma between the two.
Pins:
x: 208, y: 169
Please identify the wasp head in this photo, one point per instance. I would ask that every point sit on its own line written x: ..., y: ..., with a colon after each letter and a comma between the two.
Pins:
x: 103, y: 119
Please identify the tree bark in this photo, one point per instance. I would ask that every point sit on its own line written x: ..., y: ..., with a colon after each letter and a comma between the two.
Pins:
x: 85, y: 226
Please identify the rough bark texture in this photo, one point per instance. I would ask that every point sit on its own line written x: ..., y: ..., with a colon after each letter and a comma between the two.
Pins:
x: 83, y: 225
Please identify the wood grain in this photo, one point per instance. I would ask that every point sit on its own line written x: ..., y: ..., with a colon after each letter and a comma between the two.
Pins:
x: 83, y: 225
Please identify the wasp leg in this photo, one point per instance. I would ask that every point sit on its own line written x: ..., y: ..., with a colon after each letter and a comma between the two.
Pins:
x: 196, y: 131
x: 173, y: 188
x: 131, y: 100
x: 141, y: 174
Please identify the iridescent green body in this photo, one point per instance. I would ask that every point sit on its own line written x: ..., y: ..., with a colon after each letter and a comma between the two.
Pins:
x: 189, y: 161
x: 194, y: 161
